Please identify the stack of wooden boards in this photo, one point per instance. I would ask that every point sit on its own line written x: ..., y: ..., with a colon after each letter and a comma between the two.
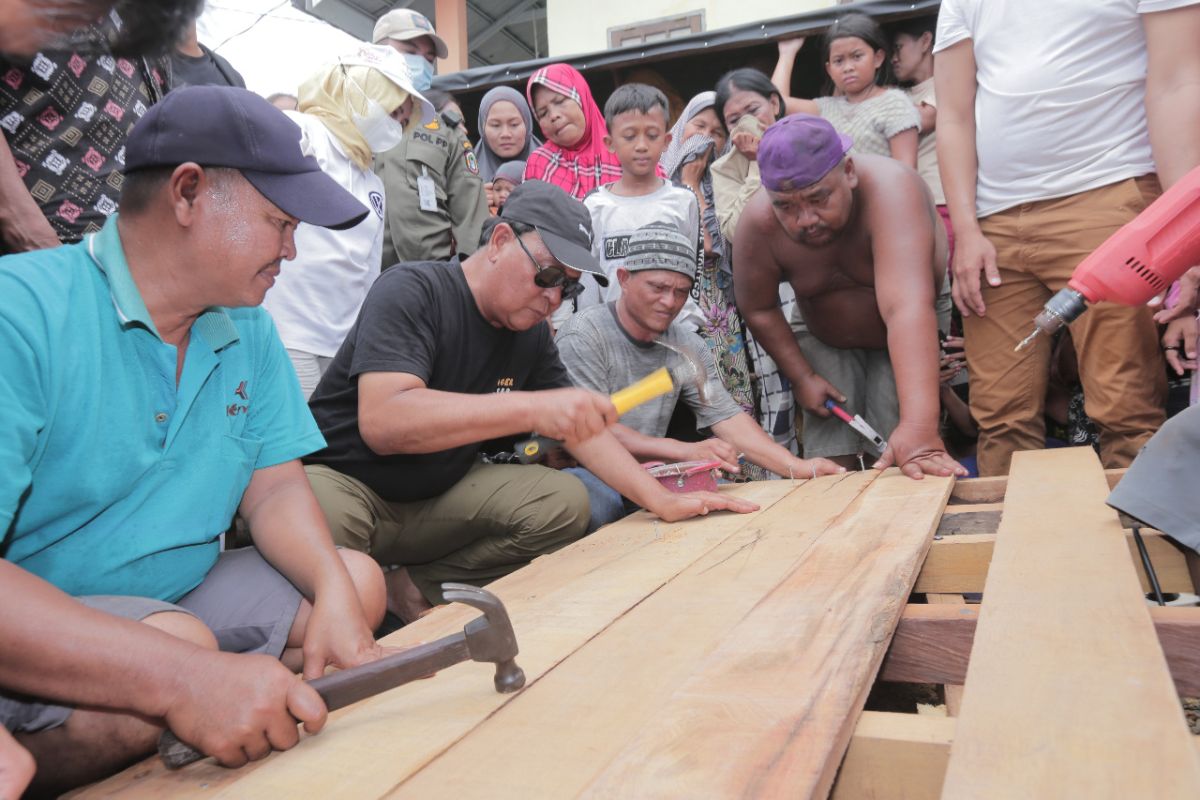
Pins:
x: 732, y: 655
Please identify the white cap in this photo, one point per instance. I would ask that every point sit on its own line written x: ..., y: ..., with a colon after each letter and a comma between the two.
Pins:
x: 392, y: 66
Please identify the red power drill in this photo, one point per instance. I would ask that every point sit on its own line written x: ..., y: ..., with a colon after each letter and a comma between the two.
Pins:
x: 1135, y: 263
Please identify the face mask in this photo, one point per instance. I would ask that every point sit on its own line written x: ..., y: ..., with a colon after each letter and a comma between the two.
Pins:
x: 420, y: 70
x: 378, y: 129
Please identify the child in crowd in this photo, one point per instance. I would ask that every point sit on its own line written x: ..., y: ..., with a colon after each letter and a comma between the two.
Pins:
x: 879, y: 120
x: 636, y: 115
x: 747, y: 104
x: 508, y: 176
x: 574, y: 157
x: 506, y: 134
x: 912, y: 62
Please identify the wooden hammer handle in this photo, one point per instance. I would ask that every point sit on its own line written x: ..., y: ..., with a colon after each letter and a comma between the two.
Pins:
x: 344, y: 687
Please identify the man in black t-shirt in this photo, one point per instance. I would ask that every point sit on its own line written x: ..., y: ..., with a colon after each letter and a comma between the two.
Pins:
x: 445, y: 356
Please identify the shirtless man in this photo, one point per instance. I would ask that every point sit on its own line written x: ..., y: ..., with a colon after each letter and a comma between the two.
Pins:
x: 860, y: 242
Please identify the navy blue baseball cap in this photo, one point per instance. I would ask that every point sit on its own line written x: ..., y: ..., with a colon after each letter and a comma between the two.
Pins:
x: 221, y: 126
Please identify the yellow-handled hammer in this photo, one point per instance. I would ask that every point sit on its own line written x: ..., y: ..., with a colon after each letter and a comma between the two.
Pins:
x: 690, y: 369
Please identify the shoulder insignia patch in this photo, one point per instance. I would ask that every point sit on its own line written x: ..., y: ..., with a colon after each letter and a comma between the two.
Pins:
x: 471, y: 161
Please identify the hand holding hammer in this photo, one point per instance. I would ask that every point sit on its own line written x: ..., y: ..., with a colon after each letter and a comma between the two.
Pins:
x: 688, y: 369
x: 488, y: 638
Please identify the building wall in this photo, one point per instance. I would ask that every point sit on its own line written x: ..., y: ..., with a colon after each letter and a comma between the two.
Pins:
x: 581, y: 26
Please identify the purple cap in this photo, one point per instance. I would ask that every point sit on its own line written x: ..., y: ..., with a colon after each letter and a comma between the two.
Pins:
x: 220, y: 126
x: 798, y: 151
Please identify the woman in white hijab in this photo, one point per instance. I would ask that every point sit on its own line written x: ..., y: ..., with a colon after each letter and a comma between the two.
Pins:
x: 348, y: 111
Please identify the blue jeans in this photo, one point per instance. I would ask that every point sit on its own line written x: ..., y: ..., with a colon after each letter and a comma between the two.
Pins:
x: 607, y: 503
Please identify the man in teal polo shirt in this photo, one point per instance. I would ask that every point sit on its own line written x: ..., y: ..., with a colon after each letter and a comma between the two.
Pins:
x: 145, y: 398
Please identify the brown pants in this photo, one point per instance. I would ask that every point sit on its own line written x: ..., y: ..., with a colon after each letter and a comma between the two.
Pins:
x: 494, y: 521
x: 1038, y: 245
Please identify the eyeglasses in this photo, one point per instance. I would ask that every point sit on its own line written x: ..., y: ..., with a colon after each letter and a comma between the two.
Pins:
x: 552, y: 276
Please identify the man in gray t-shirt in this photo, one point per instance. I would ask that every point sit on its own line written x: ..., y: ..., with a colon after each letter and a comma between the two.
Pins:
x: 608, y: 347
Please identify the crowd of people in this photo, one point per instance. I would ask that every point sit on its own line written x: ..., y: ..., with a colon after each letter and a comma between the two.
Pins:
x: 270, y: 363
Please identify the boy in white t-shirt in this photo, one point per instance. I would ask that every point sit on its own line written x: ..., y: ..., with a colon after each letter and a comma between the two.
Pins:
x: 637, y: 117
x: 1045, y: 117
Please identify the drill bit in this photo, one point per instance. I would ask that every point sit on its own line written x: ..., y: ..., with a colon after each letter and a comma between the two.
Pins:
x: 1028, y: 340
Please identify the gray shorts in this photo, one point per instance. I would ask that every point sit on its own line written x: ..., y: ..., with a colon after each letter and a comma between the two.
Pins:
x: 247, y: 604
x: 866, y: 378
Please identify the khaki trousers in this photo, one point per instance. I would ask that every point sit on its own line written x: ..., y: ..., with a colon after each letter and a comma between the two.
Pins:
x: 1038, y: 245
x: 495, y: 520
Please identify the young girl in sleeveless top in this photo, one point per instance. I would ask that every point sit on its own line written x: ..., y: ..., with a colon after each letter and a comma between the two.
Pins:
x: 880, y: 120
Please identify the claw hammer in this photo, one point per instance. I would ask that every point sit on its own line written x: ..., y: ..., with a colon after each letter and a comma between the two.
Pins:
x: 487, y: 638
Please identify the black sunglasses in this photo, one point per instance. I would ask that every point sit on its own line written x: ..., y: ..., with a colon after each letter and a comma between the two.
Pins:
x: 552, y: 276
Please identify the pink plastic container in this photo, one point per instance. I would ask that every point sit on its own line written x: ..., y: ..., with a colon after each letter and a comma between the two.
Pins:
x: 686, y: 476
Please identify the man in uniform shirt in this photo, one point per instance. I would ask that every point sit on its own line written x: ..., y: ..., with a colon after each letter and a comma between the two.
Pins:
x: 435, y: 199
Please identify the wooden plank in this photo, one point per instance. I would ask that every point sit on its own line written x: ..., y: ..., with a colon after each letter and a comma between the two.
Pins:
x: 953, y: 691
x: 559, y: 734
x: 932, y: 644
x: 972, y: 518
x: 979, y: 490
x: 895, y: 757
x: 958, y: 564
x: 557, y: 603
x: 1037, y: 719
x: 991, y: 490
x: 899, y: 757
x: 770, y: 712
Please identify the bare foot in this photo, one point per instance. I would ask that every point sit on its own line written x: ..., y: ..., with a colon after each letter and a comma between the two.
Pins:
x: 404, y: 599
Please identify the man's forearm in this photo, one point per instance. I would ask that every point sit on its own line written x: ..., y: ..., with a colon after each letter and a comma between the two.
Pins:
x: 428, y: 421
x: 748, y: 438
x: 958, y: 166
x: 913, y: 348
x: 54, y: 647
x: 773, y: 332
x: 605, y: 458
x: 958, y: 162
x: 1173, y: 90
x: 290, y: 531
x: 647, y: 448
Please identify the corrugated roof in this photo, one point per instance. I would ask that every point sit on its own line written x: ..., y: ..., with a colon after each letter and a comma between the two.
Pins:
x: 498, y: 31
x: 485, y: 77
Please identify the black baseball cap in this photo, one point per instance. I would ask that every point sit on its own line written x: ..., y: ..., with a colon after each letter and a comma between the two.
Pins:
x: 562, y: 221
x: 222, y: 126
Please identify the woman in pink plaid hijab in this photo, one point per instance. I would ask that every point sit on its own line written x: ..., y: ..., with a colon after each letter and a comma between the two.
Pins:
x: 574, y: 157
